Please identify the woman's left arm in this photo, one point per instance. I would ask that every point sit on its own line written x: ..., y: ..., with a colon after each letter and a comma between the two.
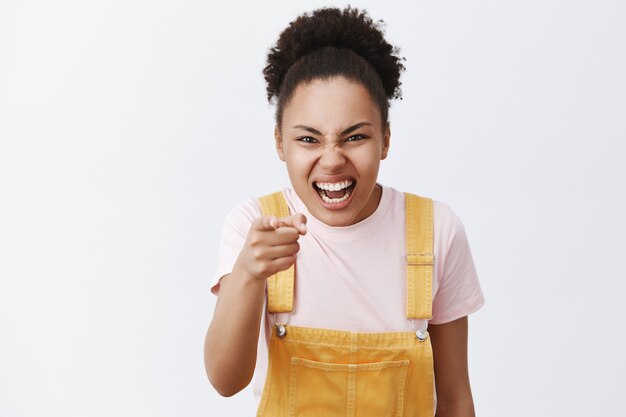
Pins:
x: 454, y: 395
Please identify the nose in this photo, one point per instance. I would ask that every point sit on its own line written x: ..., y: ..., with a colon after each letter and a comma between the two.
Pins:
x: 332, y: 158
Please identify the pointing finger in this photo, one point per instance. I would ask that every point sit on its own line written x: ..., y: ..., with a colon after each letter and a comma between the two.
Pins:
x: 267, y: 223
x: 297, y: 220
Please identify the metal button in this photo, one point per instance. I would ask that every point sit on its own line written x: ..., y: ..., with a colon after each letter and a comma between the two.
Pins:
x: 421, y: 335
x: 281, y: 330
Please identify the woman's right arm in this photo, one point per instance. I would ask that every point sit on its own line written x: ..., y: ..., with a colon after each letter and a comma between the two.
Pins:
x: 231, y: 342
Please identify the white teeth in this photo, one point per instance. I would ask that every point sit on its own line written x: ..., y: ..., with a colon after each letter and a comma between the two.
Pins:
x: 329, y: 186
x: 335, y: 200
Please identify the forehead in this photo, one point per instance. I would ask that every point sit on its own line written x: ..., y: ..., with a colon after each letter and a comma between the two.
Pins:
x: 330, y: 103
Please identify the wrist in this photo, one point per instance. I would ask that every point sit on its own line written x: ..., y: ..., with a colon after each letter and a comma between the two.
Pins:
x: 245, y: 277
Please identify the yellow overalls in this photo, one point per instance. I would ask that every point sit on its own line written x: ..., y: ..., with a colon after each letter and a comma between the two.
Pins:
x: 331, y: 373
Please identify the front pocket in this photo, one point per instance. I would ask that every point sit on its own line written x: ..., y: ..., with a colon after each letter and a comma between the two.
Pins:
x: 337, y: 389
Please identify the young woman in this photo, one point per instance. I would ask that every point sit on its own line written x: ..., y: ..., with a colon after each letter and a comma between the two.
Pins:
x: 359, y: 293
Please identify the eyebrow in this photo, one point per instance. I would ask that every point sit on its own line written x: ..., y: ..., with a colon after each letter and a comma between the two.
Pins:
x: 345, y: 132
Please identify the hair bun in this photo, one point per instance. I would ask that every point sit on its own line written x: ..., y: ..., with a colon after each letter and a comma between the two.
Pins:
x: 349, y: 28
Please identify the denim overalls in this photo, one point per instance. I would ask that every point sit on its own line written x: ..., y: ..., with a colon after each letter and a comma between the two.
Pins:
x: 332, y: 373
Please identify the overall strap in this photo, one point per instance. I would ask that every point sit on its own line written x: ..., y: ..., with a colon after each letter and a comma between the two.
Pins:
x: 279, y: 285
x: 420, y: 257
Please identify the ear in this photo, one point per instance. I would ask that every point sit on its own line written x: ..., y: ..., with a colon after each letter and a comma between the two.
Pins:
x: 279, y: 143
x: 386, y: 140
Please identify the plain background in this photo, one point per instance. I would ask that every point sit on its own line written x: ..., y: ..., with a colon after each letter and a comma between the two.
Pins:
x: 128, y: 129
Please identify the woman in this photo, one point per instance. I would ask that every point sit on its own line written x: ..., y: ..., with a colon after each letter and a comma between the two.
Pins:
x: 362, y: 291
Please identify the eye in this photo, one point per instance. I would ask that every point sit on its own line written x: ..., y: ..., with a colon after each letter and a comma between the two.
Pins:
x: 306, y: 139
x: 355, y: 138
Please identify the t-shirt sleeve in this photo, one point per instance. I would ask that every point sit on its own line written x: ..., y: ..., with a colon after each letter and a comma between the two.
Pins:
x: 232, y: 238
x: 459, y: 293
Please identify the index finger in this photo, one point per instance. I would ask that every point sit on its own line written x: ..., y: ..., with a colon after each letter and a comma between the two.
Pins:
x: 266, y: 223
x: 297, y: 220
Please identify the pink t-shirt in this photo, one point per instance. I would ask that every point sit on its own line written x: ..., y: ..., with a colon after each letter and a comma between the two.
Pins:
x: 354, y: 278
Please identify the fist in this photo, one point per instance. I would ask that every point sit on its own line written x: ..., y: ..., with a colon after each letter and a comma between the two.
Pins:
x: 272, y: 244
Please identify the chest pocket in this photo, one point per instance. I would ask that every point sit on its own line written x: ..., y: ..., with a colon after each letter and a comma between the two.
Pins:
x: 332, y: 389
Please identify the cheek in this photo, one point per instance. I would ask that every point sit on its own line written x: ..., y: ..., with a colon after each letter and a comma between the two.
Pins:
x: 299, y: 164
x: 366, y: 160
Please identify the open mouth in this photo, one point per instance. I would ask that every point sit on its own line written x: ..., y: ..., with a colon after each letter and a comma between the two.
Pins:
x: 335, y: 193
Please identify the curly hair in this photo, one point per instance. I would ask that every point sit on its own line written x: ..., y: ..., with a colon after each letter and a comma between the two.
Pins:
x: 331, y: 42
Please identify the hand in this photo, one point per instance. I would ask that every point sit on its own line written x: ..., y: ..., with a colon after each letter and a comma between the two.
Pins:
x: 272, y: 245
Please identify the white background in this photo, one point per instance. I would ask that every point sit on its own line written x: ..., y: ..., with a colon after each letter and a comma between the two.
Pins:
x: 128, y: 129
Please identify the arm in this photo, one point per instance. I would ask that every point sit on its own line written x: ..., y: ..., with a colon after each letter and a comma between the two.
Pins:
x: 454, y: 395
x: 231, y: 341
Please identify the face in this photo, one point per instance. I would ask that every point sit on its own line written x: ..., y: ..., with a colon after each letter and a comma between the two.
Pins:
x: 332, y: 141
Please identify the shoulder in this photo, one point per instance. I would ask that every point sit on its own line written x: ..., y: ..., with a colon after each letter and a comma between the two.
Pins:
x: 246, y: 209
x: 446, y: 223
x: 445, y: 217
x: 240, y: 217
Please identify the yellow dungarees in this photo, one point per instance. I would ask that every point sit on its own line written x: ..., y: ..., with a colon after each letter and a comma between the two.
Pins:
x: 331, y: 373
